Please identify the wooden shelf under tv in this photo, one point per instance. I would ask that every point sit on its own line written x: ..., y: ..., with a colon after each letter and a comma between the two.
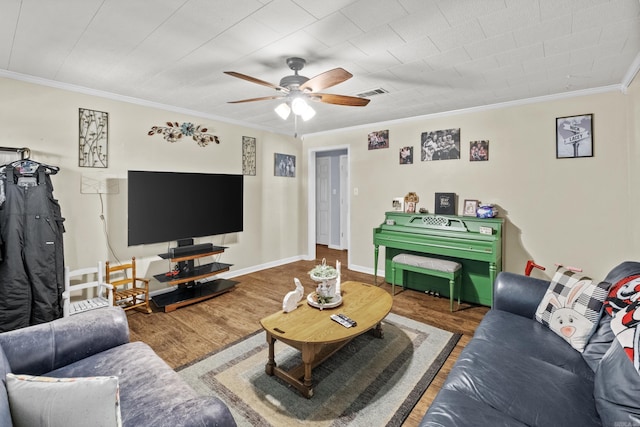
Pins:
x: 189, y: 290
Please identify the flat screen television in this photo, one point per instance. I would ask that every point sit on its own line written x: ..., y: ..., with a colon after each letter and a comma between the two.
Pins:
x: 168, y: 206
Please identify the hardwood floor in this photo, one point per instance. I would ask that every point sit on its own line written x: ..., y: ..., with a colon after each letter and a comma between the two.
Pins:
x: 196, y: 330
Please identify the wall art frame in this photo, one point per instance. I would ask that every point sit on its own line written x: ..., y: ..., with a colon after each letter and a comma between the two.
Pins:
x: 574, y: 136
x: 406, y: 156
x: 378, y: 139
x: 284, y: 165
x: 440, y: 145
x: 248, y: 155
x: 479, y: 151
x: 93, y: 138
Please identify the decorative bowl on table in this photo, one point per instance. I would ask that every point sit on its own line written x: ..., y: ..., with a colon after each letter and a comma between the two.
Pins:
x: 313, y: 301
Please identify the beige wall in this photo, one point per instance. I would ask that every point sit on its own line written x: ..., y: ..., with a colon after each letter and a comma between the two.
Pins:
x: 633, y: 114
x: 572, y: 211
x: 45, y: 119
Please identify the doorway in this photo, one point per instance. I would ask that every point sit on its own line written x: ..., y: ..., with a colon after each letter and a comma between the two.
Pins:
x: 328, y: 202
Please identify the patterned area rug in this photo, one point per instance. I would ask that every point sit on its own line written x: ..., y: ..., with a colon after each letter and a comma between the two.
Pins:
x: 369, y: 382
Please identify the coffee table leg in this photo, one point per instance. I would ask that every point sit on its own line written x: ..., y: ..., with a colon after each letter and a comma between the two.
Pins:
x: 377, y: 331
x: 308, y: 355
x: 271, y: 363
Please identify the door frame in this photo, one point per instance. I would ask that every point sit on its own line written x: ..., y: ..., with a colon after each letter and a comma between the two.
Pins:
x: 329, y: 204
x: 311, y: 200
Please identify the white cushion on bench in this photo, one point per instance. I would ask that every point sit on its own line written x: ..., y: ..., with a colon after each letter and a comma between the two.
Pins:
x: 426, y: 262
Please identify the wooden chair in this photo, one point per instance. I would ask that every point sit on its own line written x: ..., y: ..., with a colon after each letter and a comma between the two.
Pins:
x: 104, y: 297
x: 129, y: 291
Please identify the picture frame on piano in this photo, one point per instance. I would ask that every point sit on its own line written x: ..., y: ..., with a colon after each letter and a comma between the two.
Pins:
x: 397, y: 204
x: 445, y: 203
x: 470, y: 207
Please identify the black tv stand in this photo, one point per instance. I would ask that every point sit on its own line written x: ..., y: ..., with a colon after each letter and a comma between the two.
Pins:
x: 189, y: 279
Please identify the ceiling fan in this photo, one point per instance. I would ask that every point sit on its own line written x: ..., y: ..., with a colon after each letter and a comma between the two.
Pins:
x: 296, y: 89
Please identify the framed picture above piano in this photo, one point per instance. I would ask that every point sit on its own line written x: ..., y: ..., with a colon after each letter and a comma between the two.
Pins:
x: 445, y: 203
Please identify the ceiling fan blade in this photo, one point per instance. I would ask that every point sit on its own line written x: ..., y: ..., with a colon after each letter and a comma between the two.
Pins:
x: 352, y: 101
x: 326, y: 80
x: 254, y: 80
x: 264, y: 98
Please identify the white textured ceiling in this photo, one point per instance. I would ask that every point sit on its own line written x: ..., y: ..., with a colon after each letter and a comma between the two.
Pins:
x: 432, y: 56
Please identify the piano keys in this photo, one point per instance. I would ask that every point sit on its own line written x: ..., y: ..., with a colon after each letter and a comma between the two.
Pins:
x: 476, y: 243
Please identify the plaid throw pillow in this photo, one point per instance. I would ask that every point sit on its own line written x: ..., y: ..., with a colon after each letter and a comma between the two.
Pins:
x: 571, y: 307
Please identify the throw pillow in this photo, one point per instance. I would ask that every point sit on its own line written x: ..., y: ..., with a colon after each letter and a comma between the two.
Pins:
x: 622, y: 294
x: 63, y: 402
x: 571, y: 307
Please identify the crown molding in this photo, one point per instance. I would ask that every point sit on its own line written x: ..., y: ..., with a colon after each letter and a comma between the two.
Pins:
x: 123, y: 98
x: 508, y: 104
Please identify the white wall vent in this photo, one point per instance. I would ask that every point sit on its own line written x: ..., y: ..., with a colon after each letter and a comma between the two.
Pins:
x: 372, y: 92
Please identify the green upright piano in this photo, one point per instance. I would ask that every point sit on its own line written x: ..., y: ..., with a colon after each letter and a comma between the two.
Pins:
x: 455, y: 238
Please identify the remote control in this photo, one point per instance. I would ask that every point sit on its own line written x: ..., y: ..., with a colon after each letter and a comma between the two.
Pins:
x: 348, y: 319
x: 340, y: 320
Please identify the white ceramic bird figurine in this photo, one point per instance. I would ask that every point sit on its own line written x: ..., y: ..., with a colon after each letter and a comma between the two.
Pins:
x: 291, y: 300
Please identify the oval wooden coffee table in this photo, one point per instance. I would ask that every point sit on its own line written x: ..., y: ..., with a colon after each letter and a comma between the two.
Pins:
x: 317, y: 337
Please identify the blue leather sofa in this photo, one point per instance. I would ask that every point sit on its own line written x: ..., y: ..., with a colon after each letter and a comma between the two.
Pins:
x: 517, y: 372
x: 97, y: 343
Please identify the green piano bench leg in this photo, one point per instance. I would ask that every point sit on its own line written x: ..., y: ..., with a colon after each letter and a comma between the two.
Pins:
x: 395, y: 267
x: 428, y: 266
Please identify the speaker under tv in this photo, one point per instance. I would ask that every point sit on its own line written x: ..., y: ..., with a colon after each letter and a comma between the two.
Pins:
x: 173, y: 206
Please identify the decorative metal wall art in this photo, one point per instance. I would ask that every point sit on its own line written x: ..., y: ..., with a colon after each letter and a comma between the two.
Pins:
x: 248, y: 155
x: 174, y: 131
x: 93, y: 138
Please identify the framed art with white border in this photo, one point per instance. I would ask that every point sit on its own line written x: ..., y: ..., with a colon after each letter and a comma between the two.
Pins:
x: 470, y: 207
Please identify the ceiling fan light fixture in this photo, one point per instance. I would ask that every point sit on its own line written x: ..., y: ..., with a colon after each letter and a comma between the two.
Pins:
x: 308, y: 113
x: 299, y: 106
x: 283, y: 110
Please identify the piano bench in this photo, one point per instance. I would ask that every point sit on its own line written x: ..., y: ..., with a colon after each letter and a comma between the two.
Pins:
x: 430, y: 266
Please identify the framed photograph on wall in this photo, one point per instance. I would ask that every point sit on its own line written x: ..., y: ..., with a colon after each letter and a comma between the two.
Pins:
x: 470, y: 207
x: 378, y: 139
x: 478, y: 151
x: 574, y: 136
x: 284, y: 165
x: 406, y: 155
x: 440, y: 145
